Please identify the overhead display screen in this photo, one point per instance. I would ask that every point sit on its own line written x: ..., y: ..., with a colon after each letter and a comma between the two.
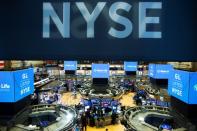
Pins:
x: 15, y: 85
x: 98, y: 30
x: 6, y: 87
x: 179, y: 85
x: 100, y: 70
x: 151, y: 70
x: 162, y: 71
x: 130, y: 66
x: 24, y: 83
x: 193, y: 88
x: 70, y: 65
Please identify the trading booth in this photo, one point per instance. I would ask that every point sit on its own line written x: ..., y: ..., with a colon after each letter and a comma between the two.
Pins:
x: 101, y: 109
x: 149, y: 118
x: 45, y: 117
x: 100, y: 97
x: 99, y: 86
x: 153, y: 91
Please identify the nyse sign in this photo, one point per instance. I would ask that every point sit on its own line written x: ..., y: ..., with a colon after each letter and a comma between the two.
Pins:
x: 129, y: 30
x: 25, y: 82
x: 63, y: 23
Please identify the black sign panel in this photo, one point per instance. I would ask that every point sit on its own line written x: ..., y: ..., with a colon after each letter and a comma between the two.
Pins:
x: 102, y: 30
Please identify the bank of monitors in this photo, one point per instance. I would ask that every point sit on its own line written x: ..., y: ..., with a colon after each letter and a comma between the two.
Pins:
x: 95, y: 102
x: 15, y: 85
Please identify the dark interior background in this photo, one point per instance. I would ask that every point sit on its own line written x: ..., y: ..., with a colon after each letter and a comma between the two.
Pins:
x: 21, y: 33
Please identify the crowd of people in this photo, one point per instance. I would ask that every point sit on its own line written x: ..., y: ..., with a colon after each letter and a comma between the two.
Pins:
x: 96, y: 118
x: 101, y: 114
x: 98, y: 115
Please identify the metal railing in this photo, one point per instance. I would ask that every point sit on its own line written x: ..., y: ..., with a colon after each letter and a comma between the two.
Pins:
x: 41, y: 108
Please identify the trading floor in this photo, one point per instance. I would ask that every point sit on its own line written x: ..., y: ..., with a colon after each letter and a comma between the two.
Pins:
x: 128, y: 96
x: 68, y: 99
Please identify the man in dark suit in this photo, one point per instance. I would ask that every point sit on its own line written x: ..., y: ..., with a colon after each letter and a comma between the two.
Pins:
x: 84, y: 122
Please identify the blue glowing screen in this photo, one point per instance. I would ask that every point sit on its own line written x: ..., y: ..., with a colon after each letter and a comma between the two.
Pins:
x: 100, y: 70
x: 70, y: 65
x: 130, y: 66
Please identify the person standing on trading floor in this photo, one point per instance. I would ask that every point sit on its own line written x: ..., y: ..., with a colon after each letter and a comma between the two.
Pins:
x: 113, y: 117
x: 84, y: 122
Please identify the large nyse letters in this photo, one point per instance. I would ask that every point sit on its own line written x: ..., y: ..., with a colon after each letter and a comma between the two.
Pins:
x: 63, y: 24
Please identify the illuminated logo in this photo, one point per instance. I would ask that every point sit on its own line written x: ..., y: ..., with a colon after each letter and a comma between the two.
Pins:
x: 130, y: 66
x: 4, y: 86
x: 177, y: 92
x: 100, y: 70
x: 90, y: 15
x: 69, y: 65
x: 25, y: 90
x: 162, y: 71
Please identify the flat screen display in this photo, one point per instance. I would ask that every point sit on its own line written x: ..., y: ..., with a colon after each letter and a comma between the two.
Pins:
x: 24, y: 83
x: 163, y: 71
x: 6, y: 87
x: 16, y: 85
x: 193, y: 88
x: 179, y: 85
x: 70, y: 65
x: 130, y: 66
x: 159, y: 71
x: 100, y: 70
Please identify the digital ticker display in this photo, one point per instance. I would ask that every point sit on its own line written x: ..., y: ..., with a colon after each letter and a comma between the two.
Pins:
x: 15, y: 85
x: 70, y: 65
x: 130, y: 66
x: 100, y: 70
